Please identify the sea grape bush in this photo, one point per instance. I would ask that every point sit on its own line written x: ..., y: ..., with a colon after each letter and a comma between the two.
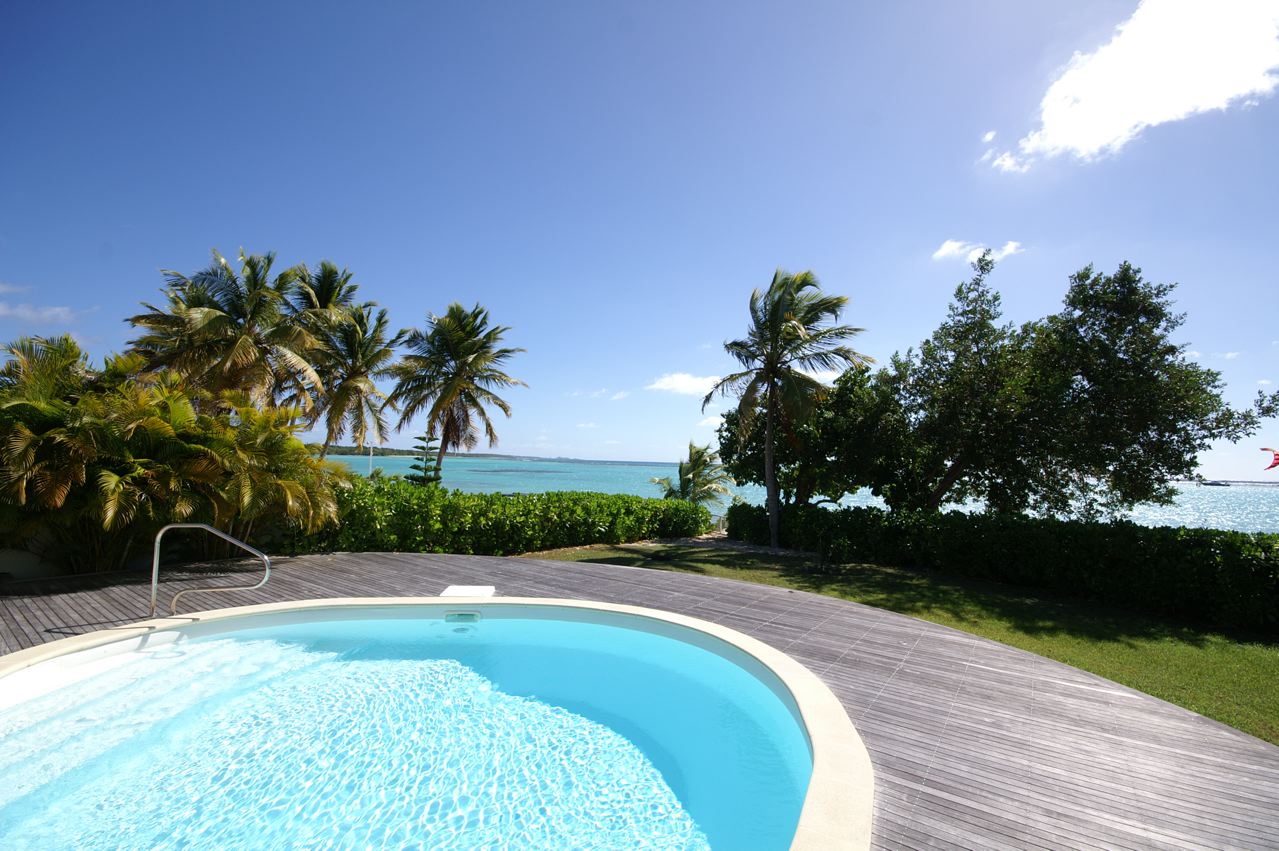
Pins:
x: 1221, y: 578
x: 391, y: 515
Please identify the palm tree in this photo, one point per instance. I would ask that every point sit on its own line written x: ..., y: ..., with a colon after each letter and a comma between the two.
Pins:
x: 354, y: 352
x: 226, y: 329
x: 789, y: 337
x: 450, y: 372
x: 702, y: 478
x: 326, y: 290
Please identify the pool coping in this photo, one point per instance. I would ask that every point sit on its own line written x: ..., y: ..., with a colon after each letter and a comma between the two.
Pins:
x: 838, y: 805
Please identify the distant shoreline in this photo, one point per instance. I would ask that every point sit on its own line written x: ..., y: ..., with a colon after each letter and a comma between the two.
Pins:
x: 381, y: 452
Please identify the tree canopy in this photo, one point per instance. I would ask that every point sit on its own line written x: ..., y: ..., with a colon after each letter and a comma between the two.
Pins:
x: 1086, y: 412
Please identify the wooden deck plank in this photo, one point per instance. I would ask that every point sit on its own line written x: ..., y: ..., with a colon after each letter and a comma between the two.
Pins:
x: 974, y: 743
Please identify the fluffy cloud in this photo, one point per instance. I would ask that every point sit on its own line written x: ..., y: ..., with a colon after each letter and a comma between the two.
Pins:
x: 989, y: 137
x: 1230, y: 355
x: 1172, y: 59
x: 1264, y: 382
x: 1007, y: 162
x: 12, y: 288
x: 972, y: 250
x: 825, y: 376
x: 32, y: 313
x: 684, y: 383
x: 620, y: 394
x: 712, y: 422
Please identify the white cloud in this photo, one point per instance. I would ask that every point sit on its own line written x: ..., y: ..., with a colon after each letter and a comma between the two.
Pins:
x: 1007, y: 162
x: 825, y: 376
x: 684, y: 383
x: 1194, y: 355
x: 591, y: 394
x: 1172, y: 59
x: 1008, y: 250
x: 952, y: 248
x: 1230, y: 355
x: 587, y: 425
x: 985, y: 158
x: 620, y: 394
x: 12, y: 288
x: 713, y: 422
x: 972, y: 250
x: 32, y: 313
x: 1264, y: 382
x: 989, y: 137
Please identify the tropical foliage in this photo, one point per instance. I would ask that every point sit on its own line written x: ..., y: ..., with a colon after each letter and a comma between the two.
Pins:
x: 228, y: 328
x: 1208, y: 576
x: 356, y: 348
x: 393, y: 515
x: 93, y: 462
x: 451, y: 372
x: 791, y: 335
x: 701, y: 478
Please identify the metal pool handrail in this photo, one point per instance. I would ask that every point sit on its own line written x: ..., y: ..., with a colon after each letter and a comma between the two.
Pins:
x: 155, y: 566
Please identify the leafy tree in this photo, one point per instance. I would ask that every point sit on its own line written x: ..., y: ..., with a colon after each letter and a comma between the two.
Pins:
x: 790, y: 334
x: 1136, y: 412
x: 354, y: 351
x: 228, y: 329
x: 701, y: 479
x: 1089, y: 411
x: 451, y: 372
x: 804, y: 469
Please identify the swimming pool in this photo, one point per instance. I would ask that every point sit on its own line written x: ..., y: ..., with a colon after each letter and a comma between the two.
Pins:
x: 437, y: 723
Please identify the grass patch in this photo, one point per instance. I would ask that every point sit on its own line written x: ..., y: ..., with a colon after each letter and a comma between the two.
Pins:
x: 1229, y: 678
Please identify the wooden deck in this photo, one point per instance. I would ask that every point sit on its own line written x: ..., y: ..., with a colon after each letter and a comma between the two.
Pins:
x: 975, y: 744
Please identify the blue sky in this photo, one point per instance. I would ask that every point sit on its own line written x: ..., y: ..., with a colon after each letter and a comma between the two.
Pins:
x: 612, y: 180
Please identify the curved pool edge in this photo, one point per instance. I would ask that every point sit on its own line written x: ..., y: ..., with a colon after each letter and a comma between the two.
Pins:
x: 838, y: 805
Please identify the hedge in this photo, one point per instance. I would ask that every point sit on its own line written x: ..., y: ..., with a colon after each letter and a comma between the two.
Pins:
x: 1210, y: 576
x: 392, y: 515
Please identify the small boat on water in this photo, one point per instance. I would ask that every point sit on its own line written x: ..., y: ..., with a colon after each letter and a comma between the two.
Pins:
x: 1216, y: 484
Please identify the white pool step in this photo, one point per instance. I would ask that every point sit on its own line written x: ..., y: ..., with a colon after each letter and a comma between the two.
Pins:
x: 469, y: 591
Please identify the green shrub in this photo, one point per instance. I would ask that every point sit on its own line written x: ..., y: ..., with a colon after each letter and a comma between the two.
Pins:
x: 1226, y: 579
x: 392, y: 515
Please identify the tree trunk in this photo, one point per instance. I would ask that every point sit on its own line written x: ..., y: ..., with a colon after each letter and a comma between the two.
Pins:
x: 956, y: 469
x: 324, y: 450
x: 770, y: 476
x: 439, y: 460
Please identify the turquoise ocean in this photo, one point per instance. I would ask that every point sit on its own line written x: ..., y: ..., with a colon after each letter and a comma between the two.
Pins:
x: 1245, y: 507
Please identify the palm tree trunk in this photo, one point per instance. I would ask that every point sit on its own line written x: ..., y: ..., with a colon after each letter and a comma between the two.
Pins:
x: 324, y: 450
x: 439, y: 459
x: 770, y: 476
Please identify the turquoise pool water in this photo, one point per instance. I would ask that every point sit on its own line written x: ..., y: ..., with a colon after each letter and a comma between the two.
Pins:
x: 392, y: 733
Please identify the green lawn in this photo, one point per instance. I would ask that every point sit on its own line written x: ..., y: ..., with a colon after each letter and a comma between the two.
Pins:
x: 1233, y: 679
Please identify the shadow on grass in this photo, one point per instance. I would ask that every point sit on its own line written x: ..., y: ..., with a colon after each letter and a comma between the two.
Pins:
x: 1033, y: 612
